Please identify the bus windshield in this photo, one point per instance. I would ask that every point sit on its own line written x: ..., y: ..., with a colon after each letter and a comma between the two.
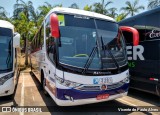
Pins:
x: 6, y: 61
x: 80, y: 35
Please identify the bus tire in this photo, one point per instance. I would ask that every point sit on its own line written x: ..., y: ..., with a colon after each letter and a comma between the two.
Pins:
x: 43, y: 83
x: 11, y: 96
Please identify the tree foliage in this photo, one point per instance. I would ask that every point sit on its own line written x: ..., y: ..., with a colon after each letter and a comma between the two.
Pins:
x: 121, y: 17
x: 74, y: 5
x: 3, y: 13
x: 112, y: 12
x: 101, y: 7
x: 88, y: 8
x: 153, y: 4
x: 25, y: 7
x: 27, y: 20
x: 44, y: 9
x: 132, y: 8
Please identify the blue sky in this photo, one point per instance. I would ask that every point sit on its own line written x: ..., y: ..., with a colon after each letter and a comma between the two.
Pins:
x: 8, y: 4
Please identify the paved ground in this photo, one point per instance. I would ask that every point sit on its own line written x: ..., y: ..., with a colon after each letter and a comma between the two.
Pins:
x: 28, y: 93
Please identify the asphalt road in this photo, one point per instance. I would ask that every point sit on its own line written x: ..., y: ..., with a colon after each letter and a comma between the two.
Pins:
x: 29, y: 93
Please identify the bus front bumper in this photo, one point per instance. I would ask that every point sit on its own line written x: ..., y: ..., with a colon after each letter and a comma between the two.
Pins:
x: 69, y: 97
x: 7, y: 88
x: 87, y: 101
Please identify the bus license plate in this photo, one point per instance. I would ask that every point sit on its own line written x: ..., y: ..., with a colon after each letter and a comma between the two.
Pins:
x: 103, y: 96
x: 102, y: 80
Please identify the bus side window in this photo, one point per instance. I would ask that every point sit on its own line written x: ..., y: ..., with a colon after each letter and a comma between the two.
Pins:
x: 38, y: 39
x: 152, y: 33
x: 51, y: 48
x: 35, y: 43
x: 41, y: 37
x: 50, y: 43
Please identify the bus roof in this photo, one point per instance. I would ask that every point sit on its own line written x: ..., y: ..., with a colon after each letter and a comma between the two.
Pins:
x: 80, y: 12
x: 146, y: 13
x: 6, y: 24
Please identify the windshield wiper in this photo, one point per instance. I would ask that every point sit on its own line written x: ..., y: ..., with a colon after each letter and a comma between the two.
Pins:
x: 90, y: 58
x: 110, y: 53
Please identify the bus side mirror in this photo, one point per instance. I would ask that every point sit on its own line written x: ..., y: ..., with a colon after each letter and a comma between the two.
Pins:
x: 16, y: 40
x: 54, y: 26
x: 134, y: 32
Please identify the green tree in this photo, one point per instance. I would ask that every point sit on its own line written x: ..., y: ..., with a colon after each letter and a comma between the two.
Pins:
x: 25, y: 7
x: 37, y: 18
x: 26, y: 29
x: 74, y: 5
x: 153, y: 4
x: 23, y: 21
x: 100, y: 7
x: 44, y: 9
x: 132, y: 8
x: 112, y: 12
x: 87, y: 8
x: 3, y: 13
x: 120, y: 17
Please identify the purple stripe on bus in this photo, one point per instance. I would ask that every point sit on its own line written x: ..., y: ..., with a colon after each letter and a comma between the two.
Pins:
x: 77, y: 94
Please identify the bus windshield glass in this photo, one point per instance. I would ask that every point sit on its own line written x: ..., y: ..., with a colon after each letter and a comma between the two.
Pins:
x: 85, y: 40
x: 6, y: 61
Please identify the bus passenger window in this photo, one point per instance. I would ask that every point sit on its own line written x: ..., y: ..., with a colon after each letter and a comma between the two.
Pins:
x: 152, y: 33
x: 51, y: 48
x: 50, y: 43
x: 41, y: 41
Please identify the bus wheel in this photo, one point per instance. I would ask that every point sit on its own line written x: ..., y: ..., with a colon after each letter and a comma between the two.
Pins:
x: 43, y: 83
x: 11, y: 96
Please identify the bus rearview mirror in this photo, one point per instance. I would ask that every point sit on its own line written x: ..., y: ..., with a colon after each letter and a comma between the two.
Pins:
x: 16, y: 40
x: 54, y: 26
x: 134, y: 32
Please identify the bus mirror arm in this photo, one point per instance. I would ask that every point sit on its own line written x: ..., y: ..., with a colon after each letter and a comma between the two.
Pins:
x: 16, y: 40
x: 54, y: 26
x: 133, y: 31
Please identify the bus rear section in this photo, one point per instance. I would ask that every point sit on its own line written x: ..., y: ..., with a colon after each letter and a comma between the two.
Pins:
x: 144, y: 59
x: 82, y: 58
x: 8, y: 58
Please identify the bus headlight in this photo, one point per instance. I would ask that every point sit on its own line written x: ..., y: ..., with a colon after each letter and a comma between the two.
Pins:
x: 5, y: 78
x: 67, y: 83
x: 126, y: 80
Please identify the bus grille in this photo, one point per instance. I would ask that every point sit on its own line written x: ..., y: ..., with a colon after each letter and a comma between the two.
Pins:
x: 98, y: 87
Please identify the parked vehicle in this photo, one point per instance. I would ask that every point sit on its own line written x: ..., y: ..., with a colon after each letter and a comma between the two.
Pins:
x: 144, y: 59
x: 9, y: 58
x: 80, y: 57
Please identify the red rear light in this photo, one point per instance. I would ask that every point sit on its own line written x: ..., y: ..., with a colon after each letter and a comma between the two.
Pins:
x: 152, y: 79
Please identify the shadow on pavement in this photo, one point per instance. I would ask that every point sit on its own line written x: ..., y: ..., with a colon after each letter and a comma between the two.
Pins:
x: 144, y: 96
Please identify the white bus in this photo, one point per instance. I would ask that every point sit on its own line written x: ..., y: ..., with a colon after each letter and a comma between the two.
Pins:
x: 79, y: 57
x: 9, y: 54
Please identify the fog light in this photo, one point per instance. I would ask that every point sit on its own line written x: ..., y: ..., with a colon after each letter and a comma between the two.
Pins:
x: 7, y: 91
x: 69, y: 97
